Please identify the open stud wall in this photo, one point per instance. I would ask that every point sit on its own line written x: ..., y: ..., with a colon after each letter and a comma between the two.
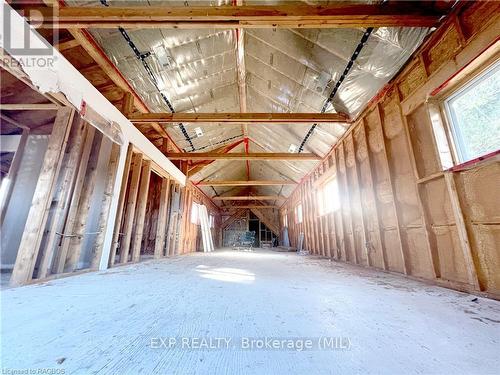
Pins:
x: 401, y: 209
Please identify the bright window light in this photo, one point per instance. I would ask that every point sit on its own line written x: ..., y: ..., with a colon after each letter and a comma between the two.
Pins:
x: 194, y: 213
x: 474, y: 115
x: 285, y: 219
x: 298, y: 213
x: 292, y: 148
x: 329, y: 198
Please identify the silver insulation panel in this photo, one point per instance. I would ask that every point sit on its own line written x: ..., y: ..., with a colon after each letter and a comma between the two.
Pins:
x: 286, y: 70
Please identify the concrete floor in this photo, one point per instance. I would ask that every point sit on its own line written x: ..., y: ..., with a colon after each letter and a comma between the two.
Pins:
x: 119, y: 321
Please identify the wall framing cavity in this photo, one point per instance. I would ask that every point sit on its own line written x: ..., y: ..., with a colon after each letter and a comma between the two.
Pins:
x: 402, y: 208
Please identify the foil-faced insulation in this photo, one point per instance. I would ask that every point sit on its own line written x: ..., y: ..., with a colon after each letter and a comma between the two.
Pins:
x: 286, y: 70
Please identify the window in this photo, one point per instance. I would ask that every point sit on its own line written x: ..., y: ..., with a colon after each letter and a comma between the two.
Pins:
x: 298, y: 213
x: 194, y: 213
x: 285, y: 219
x: 474, y: 115
x: 328, y: 197
x: 212, y: 221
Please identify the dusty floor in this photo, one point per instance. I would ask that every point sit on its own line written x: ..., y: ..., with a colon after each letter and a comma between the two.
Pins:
x: 120, y: 321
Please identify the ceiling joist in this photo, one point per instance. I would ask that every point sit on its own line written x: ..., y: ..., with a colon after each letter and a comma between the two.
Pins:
x: 249, y: 206
x: 242, y: 156
x: 246, y: 183
x: 240, y: 118
x: 250, y: 198
x: 339, y: 15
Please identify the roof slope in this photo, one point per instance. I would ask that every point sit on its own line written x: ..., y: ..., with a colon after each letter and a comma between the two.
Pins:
x: 286, y: 70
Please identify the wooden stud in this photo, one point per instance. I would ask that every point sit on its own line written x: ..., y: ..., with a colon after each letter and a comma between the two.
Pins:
x: 402, y: 245
x: 130, y: 207
x: 347, y: 211
x: 77, y: 233
x: 428, y: 233
x: 75, y: 141
x: 161, y: 228
x: 121, y: 204
x: 37, y: 217
x: 379, y: 235
x: 462, y: 230
x: 75, y: 198
x: 106, y: 204
x: 140, y: 212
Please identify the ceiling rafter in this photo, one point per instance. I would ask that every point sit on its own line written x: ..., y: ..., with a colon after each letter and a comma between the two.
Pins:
x: 345, y: 15
x: 243, y: 156
x: 240, y: 118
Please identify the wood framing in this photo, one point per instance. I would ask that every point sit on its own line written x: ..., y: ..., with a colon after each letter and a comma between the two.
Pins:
x: 245, y: 183
x: 161, y: 229
x: 29, y: 107
x: 249, y: 206
x: 240, y: 118
x: 418, y: 217
x: 141, y: 210
x: 130, y: 207
x: 242, y: 156
x: 42, y: 197
x: 62, y: 254
x: 121, y: 205
x: 255, y: 16
x: 112, y: 170
x: 250, y: 198
x: 66, y: 188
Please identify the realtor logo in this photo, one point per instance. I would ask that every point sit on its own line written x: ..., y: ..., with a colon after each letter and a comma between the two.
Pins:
x: 22, y: 45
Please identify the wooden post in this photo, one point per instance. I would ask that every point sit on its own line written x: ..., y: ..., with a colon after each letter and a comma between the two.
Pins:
x: 403, y: 247
x: 106, y: 203
x: 76, y: 234
x: 347, y: 212
x: 173, y: 221
x: 130, y: 208
x: 121, y: 203
x: 127, y: 104
x: 75, y: 198
x: 161, y: 227
x: 42, y: 198
x: 378, y: 227
x: 142, y: 200
x: 75, y: 142
x: 462, y: 230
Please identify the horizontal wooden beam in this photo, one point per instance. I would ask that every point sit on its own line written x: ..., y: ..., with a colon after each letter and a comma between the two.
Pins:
x: 339, y: 15
x: 68, y: 44
x: 242, y: 156
x: 13, y: 122
x: 248, y: 206
x: 240, y: 118
x: 250, y: 198
x: 245, y: 183
x: 29, y: 107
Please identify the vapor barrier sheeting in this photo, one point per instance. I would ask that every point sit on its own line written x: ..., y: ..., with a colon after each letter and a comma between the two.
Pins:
x: 286, y: 70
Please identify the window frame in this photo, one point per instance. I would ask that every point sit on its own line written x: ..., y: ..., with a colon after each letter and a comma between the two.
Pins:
x: 442, y: 127
x: 453, y: 130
